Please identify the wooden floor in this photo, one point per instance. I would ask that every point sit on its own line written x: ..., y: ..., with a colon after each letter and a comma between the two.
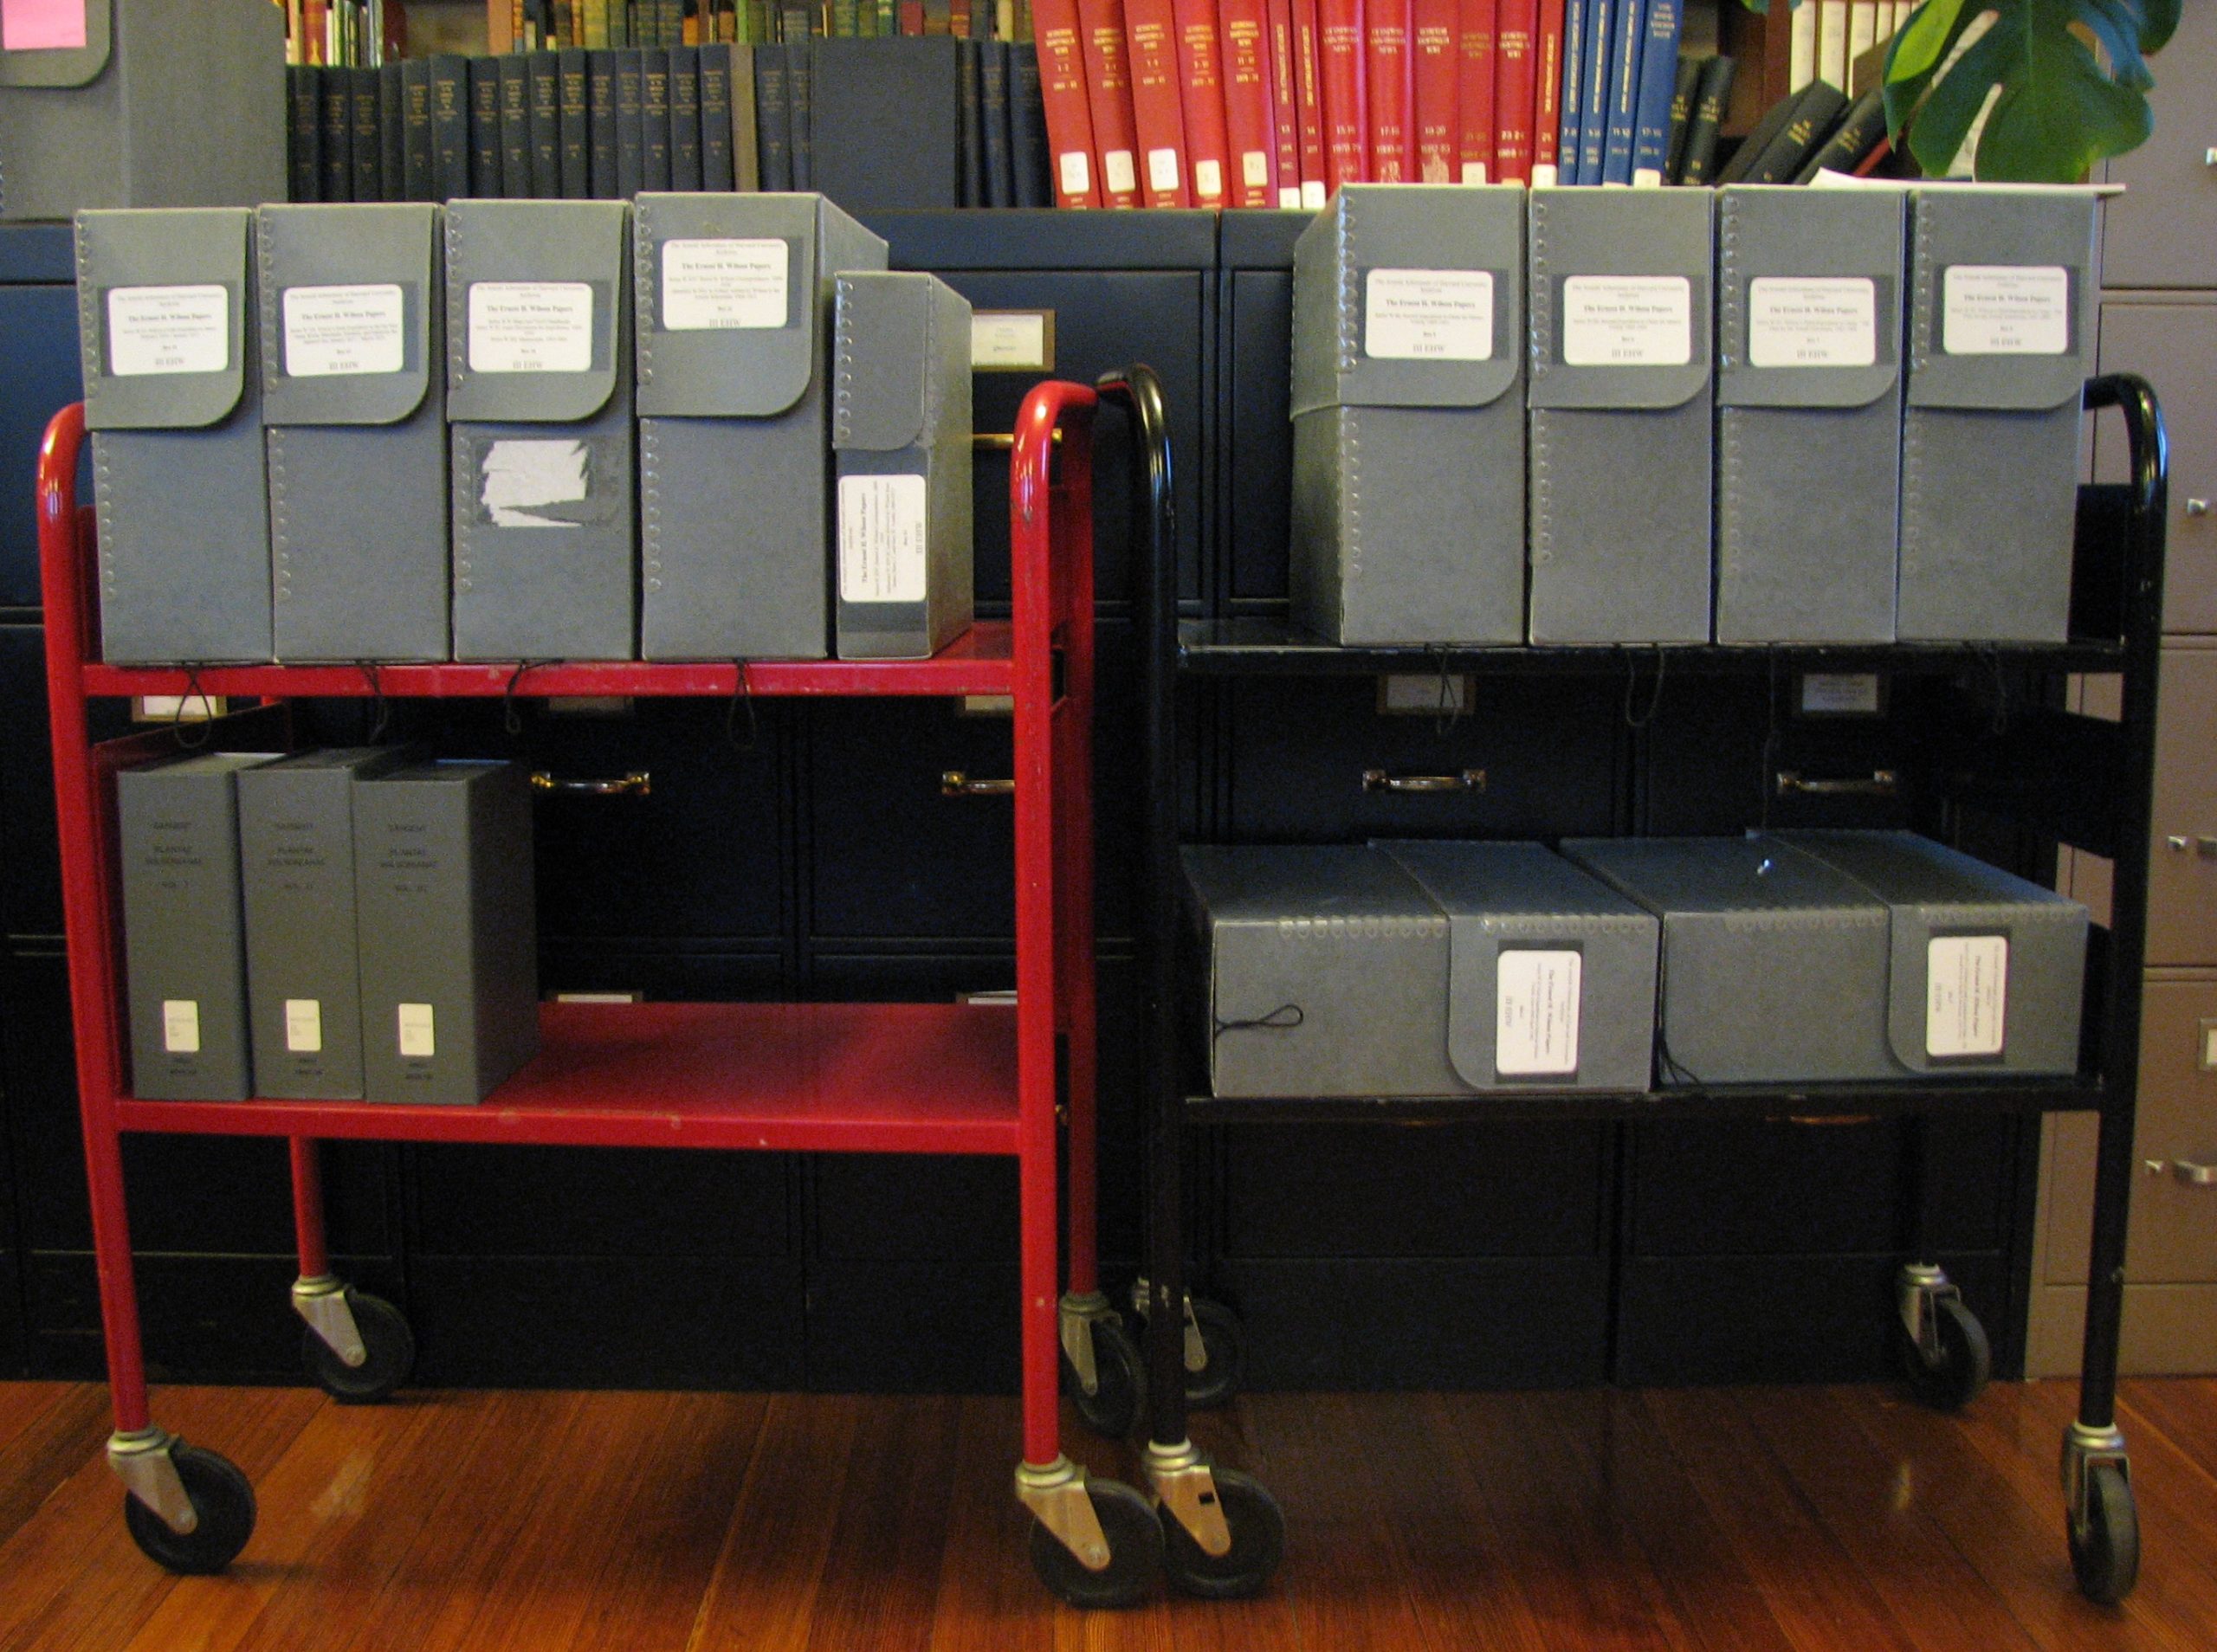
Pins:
x: 1746, y: 1520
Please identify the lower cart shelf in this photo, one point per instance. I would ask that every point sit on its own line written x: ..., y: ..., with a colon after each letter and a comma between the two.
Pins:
x: 908, y: 1077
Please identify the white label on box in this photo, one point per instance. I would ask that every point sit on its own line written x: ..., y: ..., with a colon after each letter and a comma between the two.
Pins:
x: 1120, y: 168
x: 1009, y: 338
x: 1627, y: 321
x: 1966, y: 994
x: 181, y: 1026
x: 710, y: 285
x: 882, y: 549
x: 1813, y: 321
x: 1255, y: 169
x: 417, y: 1039
x: 1162, y: 168
x: 168, y: 329
x: 1428, y: 314
x: 1208, y: 180
x: 304, y: 1026
x: 530, y: 327
x: 1078, y: 175
x: 2006, y: 310
x: 1840, y: 693
x: 1535, y: 1013
x: 330, y: 331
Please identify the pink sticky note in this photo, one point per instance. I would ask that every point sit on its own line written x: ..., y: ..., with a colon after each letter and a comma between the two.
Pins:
x: 42, y: 25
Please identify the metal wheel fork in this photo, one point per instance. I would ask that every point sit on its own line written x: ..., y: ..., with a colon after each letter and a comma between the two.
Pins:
x: 1183, y: 1479
x: 1056, y: 1496
x: 2083, y: 1448
x: 1197, y: 1350
x: 321, y: 1302
x: 1076, y: 1316
x: 142, y: 1460
x: 1920, y: 1288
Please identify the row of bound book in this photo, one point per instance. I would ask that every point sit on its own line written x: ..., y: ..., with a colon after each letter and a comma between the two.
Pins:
x: 535, y: 25
x: 876, y: 124
x: 1815, y: 129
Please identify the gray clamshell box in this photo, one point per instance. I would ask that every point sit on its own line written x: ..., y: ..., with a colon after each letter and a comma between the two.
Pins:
x: 1990, y: 441
x: 1619, y: 451
x: 901, y: 430
x: 1808, y: 457
x: 1408, y: 417
x: 165, y: 320
x: 538, y: 398
x: 735, y: 486
x: 353, y: 370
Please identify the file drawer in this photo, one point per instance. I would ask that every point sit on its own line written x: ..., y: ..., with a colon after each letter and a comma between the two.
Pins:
x: 2182, y: 866
x: 2160, y: 230
x: 38, y: 341
x: 2173, y: 346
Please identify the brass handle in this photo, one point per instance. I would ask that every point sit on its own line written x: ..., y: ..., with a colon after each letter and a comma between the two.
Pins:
x: 637, y: 784
x: 1882, y: 783
x: 1467, y: 780
x: 2178, y: 843
x: 955, y: 783
x: 1000, y: 440
x: 2193, y: 1174
x: 2197, y: 507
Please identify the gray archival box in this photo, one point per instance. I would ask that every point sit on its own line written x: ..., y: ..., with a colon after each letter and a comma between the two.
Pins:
x: 734, y: 309
x: 1408, y: 417
x: 539, y: 391
x: 1808, y: 413
x: 296, y: 855
x: 353, y: 371
x: 165, y: 320
x: 900, y: 428
x: 183, y: 939
x: 448, y: 937
x: 2000, y: 340
x: 1620, y: 396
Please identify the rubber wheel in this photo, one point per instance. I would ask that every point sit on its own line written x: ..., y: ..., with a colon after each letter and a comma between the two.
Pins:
x: 1134, y: 1552
x: 2105, y: 1552
x: 1119, y: 1395
x: 1966, y: 1358
x: 1224, y: 1346
x: 390, y: 1345
x: 223, y: 1499
x: 1258, y: 1542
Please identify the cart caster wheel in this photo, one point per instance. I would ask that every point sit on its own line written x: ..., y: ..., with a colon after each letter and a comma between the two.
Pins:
x: 1119, y: 1394
x: 1134, y: 1552
x: 223, y: 1500
x: 1258, y: 1542
x: 390, y: 1344
x: 1224, y: 1348
x: 2105, y: 1549
x: 1966, y: 1360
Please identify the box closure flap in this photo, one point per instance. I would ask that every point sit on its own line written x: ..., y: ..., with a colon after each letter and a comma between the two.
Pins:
x: 886, y: 364
x: 730, y: 304
x: 536, y: 294
x: 64, y: 66
x: 1809, y: 296
x: 349, y: 335
x: 161, y: 315
x: 2001, y: 312
x: 1619, y: 287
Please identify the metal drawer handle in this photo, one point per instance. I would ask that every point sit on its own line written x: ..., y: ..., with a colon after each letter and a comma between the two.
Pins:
x: 1468, y: 780
x: 1883, y: 782
x: 637, y: 784
x: 1001, y: 441
x: 2197, y: 507
x: 955, y: 783
x: 2178, y: 843
x: 2194, y: 1174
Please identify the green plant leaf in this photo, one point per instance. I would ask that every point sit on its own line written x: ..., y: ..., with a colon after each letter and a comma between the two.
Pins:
x: 2061, y: 114
x: 1918, y: 52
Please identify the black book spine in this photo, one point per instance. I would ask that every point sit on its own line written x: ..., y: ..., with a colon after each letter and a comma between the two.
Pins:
x: 600, y: 115
x: 303, y: 133
x: 515, y: 124
x: 801, y: 78
x: 415, y: 137
x: 715, y: 118
x: 1027, y: 127
x: 685, y: 118
x: 670, y: 20
x: 1682, y: 115
x: 338, y: 102
x: 654, y: 117
x: 1856, y: 135
x: 369, y: 141
x: 576, y: 168
x: 485, y: 127
x: 1709, y: 100
x: 392, y: 132
x: 1815, y: 114
x: 630, y: 127
x: 972, y: 123
x: 773, y: 119
x: 450, y: 127
x: 993, y: 113
x: 544, y: 87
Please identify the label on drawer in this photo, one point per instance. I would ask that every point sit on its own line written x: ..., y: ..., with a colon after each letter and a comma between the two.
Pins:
x: 168, y: 329
x: 181, y: 1026
x: 1966, y: 994
x: 1536, y: 1014
x: 417, y: 1038
x: 304, y: 1026
x: 882, y: 550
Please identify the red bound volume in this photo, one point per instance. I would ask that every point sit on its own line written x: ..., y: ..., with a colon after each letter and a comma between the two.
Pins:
x: 1546, y: 96
x: 1346, y: 127
x: 1513, y: 91
x: 1151, y: 33
x: 1393, y: 137
x: 1109, y: 93
x: 1308, y: 103
x: 1432, y: 25
x: 1476, y: 112
x: 1062, y: 86
x: 1287, y: 124
x: 1201, y: 84
x: 1249, y: 126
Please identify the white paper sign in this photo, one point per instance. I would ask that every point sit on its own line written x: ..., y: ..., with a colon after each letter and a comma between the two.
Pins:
x: 1536, y: 1014
x: 181, y: 1026
x: 718, y: 285
x: 1627, y: 321
x: 416, y: 1035
x: 1009, y: 338
x: 1840, y: 693
x: 1813, y: 321
x: 168, y: 329
x: 882, y: 550
x: 304, y: 1026
x: 1428, y: 314
x: 530, y: 327
x: 334, y: 330
x: 1966, y: 994
x: 2006, y: 310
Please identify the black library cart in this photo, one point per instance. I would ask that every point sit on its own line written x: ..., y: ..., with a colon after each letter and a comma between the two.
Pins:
x: 1973, y: 744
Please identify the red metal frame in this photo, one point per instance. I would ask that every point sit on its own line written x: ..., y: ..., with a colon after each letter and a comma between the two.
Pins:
x: 867, y: 1078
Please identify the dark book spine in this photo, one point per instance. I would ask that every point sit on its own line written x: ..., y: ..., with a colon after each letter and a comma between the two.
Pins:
x: 993, y: 112
x: 671, y: 17
x: 972, y: 127
x: 337, y: 134
x: 450, y: 127
x: 544, y: 87
x: 745, y: 135
x: 576, y: 125
x: 416, y: 138
x: 630, y: 126
x: 619, y: 24
x: 795, y: 24
x: 772, y: 118
x: 654, y: 117
x: 800, y: 77
x: 515, y: 124
x: 485, y: 127
x: 369, y: 137
x: 600, y: 115
x: 1027, y: 127
x: 1682, y: 115
x: 1710, y: 97
x: 685, y: 118
x: 1859, y: 132
x: 392, y: 132
x: 303, y: 133
x: 715, y: 118
x: 1815, y: 114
